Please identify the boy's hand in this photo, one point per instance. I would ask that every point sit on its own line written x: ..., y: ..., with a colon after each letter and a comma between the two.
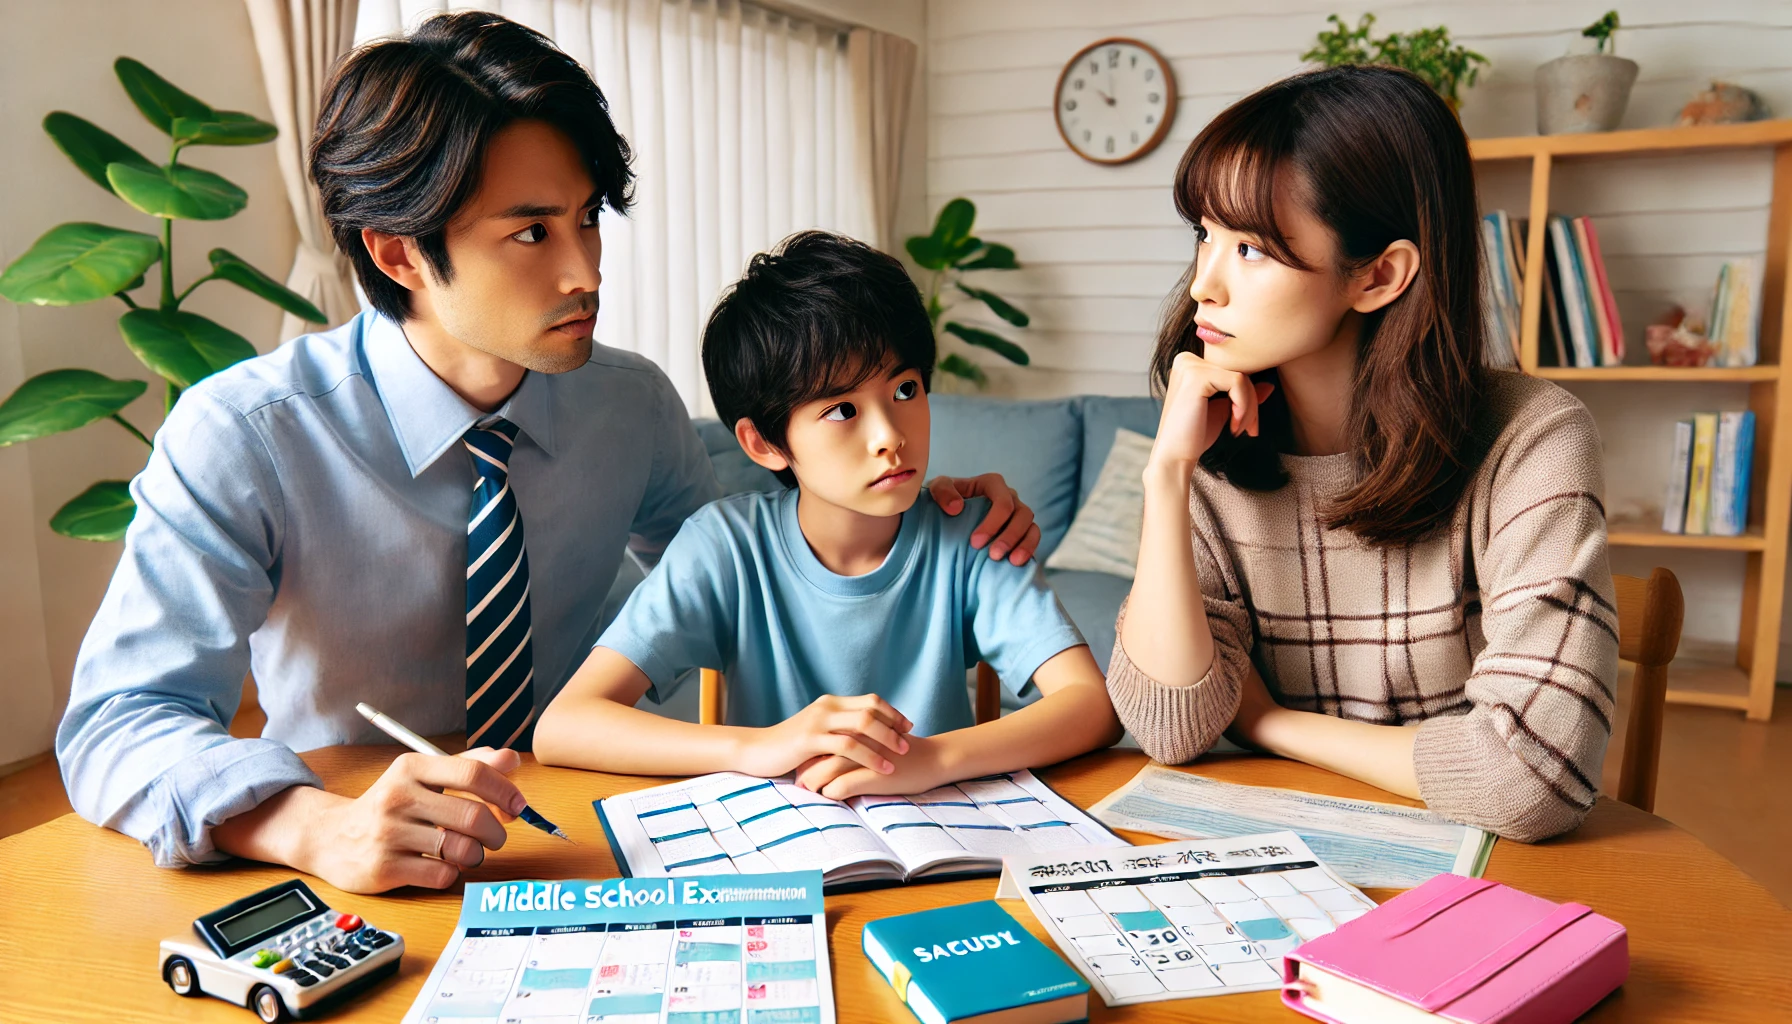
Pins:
x: 865, y: 731
x: 924, y: 767
x: 1019, y: 535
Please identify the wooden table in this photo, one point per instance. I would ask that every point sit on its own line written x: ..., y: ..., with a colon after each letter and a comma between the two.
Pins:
x: 82, y: 909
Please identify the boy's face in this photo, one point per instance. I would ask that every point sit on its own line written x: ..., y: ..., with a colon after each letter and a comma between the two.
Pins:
x: 866, y: 450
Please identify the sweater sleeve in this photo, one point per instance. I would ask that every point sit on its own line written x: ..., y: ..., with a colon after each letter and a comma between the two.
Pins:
x: 1524, y: 761
x: 1175, y: 724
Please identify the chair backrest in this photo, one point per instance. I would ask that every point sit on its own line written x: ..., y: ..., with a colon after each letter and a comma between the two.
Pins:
x: 1650, y: 613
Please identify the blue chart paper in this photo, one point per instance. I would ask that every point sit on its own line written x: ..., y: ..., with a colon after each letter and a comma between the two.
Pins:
x: 710, y: 949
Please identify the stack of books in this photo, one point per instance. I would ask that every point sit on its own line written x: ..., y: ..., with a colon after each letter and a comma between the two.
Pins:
x: 1579, y: 323
x: 1708, y: 480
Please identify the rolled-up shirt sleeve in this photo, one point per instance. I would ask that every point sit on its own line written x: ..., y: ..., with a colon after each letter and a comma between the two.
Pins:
x: 143, y: 746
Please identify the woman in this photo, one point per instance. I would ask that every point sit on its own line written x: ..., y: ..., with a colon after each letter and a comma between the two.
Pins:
x: 1361, y: 549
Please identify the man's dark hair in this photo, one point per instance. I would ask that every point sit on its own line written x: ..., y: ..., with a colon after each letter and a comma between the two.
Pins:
x: 818, y: 316
x: 404, y: 125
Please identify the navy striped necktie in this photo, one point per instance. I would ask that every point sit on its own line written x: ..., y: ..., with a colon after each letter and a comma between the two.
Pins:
x: 500, y: 663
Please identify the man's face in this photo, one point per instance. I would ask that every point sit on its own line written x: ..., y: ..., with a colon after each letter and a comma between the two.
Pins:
x: 524, y: 253
x: 866, y: 450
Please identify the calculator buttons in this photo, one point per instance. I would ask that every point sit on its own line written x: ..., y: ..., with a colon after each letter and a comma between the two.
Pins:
x: 340, y: 963
x: 285, y: 965
x: 264, y: 958
x: 348, y: 922
x: 304, y: 979
x: 319, y: 967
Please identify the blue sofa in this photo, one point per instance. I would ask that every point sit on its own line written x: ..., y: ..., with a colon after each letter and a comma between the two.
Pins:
x: 1050, y: 451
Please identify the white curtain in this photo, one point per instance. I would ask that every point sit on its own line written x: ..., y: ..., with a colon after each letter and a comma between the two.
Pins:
x: 745, y: 125
x: 298, y: 41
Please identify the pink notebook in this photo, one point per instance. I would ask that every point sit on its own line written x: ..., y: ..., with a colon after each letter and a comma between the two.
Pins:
x: 1461, y: 949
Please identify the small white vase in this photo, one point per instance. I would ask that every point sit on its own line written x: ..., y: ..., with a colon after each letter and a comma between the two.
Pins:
x: 1583, y: 93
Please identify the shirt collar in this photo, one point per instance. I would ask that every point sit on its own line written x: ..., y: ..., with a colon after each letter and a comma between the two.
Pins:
x: 427, y: 416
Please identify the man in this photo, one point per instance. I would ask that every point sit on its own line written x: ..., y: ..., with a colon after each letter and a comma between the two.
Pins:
x: 423, y: 509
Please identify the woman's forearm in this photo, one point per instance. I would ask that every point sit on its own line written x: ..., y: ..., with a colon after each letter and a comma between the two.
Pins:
x: 1165, y: 634
x: 1380, y: 755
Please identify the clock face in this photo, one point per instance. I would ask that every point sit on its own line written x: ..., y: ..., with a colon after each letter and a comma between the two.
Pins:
x: 1115, y: 101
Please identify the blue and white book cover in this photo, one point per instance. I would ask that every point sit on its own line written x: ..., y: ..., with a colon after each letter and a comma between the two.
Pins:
x: 961, y: 962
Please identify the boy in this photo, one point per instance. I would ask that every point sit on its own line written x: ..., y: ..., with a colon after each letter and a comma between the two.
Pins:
x: 845, y: 611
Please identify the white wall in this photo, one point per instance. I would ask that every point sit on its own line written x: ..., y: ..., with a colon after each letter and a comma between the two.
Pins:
x: 1103, y: 246
x: 59, y: 57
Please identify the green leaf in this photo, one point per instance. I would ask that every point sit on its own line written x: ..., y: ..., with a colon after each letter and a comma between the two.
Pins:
x: 101, y: 512
x: 997, y: 305
x: 994, y: 342
x: 223, y: 128
x: 184, y: 347
x: 187, y: 193
x: 61, y: 400
x: 90, y: 146
x: 233, y: 268
x: 954, y: 222
x: 927, y: 252
x: 160, y: 100
x: 962, y: 248
x: 79, y: 262
x: 993, y: 257
x: 959, y: 366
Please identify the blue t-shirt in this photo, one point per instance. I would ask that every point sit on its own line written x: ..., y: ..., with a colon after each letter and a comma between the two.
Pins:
x: 740, y: 590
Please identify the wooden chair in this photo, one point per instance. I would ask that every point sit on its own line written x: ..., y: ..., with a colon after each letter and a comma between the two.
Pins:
x: 1649, y: 618
x: 712, y: 696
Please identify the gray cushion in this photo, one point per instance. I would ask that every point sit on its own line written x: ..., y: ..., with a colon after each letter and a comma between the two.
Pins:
x: 734, y: 471
x: 1033, y: 445
x: 1093, y: 601
x: 1102, y: 416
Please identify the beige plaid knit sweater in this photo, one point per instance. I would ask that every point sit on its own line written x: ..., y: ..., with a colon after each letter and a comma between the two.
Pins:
x: 1499, y: 636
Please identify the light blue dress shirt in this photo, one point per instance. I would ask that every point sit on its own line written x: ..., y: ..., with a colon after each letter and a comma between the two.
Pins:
x: 740, y: 590
x: 304, y: 516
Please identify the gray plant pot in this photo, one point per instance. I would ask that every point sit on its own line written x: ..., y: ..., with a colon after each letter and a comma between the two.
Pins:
x: 1583, y: 93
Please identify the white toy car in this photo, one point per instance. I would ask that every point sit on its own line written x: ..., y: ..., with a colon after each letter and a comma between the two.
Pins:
x: 281, y: 953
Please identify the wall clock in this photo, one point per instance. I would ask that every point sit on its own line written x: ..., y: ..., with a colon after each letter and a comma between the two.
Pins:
x: 1115, y: 101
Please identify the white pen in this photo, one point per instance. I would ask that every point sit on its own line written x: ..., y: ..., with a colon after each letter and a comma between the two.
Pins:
x: 395, y: 729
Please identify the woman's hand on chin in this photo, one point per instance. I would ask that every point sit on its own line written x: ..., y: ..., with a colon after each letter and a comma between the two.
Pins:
x: 1201, y: 400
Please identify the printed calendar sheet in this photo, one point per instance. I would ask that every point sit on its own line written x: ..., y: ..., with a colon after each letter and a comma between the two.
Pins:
x: 1195, y: 918
x: 736, y: 949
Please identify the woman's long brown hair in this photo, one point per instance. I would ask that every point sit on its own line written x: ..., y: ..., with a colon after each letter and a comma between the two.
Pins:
x: 1378, y: 157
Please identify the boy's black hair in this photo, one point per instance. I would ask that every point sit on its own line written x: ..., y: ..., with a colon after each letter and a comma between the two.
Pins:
x: 818, y: 316
x: 404, y: 124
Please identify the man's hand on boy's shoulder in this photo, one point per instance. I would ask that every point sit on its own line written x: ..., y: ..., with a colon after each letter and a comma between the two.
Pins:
x: 1009, y: 521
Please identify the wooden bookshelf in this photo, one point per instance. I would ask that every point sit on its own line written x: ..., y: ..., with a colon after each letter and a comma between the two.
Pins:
x: 1730, y: 677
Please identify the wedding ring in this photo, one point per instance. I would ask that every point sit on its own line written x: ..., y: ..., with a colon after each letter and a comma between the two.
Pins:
x: 441, y: 841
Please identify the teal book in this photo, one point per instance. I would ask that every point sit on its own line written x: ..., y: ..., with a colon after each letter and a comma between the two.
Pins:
x: 971, y: 963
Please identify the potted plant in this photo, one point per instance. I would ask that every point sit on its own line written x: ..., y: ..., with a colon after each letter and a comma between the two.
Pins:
x: 1586, y: 92
x: 85, y: 262
x: 1427, y: 53
x: 948, y: 253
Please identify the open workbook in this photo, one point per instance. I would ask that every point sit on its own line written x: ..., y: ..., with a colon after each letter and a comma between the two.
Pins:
x: 731, y: 822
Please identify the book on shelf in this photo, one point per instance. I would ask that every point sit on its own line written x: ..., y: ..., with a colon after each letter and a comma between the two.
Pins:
x: 1552, y: 323
x: 1730, y: 473
x: 1499, y: 292
x: 1602, y: 328
x: 1582, y: 331
x: 973, y: 964
x: 1673, y: 514
x: 1733, y: 321
x: 1607, y: 299
x: 1698, y: 482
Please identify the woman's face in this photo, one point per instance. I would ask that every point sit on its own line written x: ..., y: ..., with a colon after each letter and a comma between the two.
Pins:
x: 1253, y: 313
